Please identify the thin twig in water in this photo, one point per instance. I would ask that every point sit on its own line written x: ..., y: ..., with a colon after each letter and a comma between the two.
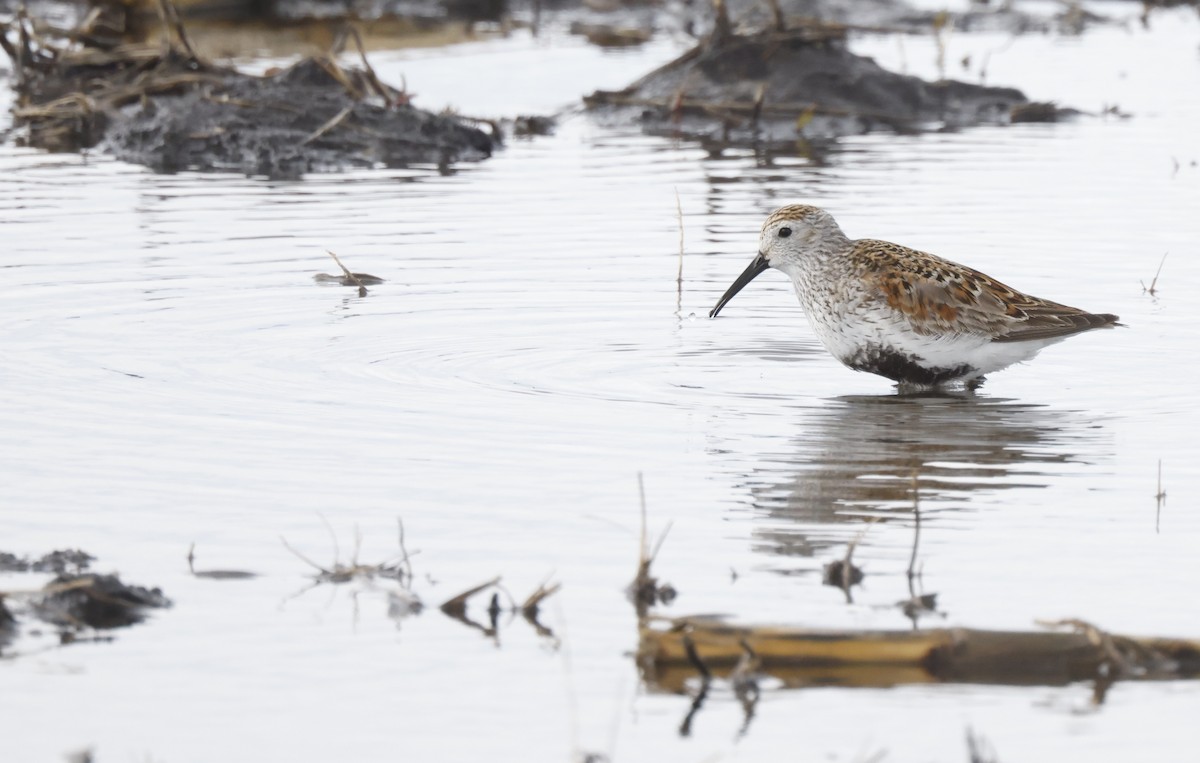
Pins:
x: 679, y: 275
x: 1152, y: 289
x: 304, y: 558
x: 346, y: 270
x: 404, y: 560
x: 337, y: 552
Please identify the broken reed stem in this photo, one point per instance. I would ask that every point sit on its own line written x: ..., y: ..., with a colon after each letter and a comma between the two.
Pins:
x: 544, y: 590
x: 332, y: 123
x: 346, y: 270
x: 679, y: 274
x: 458, y: 605
x: 169, y: 15
x: 643, y: 546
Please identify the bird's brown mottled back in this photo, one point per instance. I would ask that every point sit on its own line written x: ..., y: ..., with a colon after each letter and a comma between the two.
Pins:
x: 942, y: 297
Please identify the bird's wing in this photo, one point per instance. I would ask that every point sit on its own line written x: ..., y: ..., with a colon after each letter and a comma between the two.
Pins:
x: 939, y: 297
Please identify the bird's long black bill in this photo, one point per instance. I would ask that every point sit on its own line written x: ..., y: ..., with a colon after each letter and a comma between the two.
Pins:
x: 758, y: 265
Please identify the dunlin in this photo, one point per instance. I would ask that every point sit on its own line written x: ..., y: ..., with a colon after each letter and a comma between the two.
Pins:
x: 913, y: 317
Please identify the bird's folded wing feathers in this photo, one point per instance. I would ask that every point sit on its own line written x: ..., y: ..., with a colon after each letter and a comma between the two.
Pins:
x: 939, y: 297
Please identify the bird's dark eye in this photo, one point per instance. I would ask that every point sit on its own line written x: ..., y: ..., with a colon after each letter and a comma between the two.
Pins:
x: 785, y: 232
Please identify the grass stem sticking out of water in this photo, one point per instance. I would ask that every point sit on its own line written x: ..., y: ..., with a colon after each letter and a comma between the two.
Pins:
x: 679, y: 275
x: 1152, y: 289
x: 1160, y: 498
x: 842, y: 573
x: 349, y: 279
x: 215, y: 574
x: 645, y: 591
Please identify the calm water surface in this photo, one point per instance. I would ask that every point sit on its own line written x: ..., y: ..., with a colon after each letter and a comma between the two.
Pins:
x: 172, y: 375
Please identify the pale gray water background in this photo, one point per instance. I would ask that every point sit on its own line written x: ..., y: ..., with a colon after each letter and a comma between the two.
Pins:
x: 170, y: 374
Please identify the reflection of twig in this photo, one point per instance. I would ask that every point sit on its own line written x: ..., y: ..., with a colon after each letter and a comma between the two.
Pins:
x: 978, y: 748
x: 693, y: 658
x: 1159, y: 498
x: 912, y: 561
x: 923, y: 603
x: 404, y: 559
x: 745, y: 686
x: 679, y: 275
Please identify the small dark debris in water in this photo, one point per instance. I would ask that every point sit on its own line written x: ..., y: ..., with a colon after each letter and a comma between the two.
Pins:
x: 841, y: 574
x: 73, y: 601
x: 456, y: 607
x: 97, y: 601
x: 1039, y: 111
x: 609, y: 36
x: 8, y: 623
x: 215, y: 574
x: 337, y: 572
x: 351, y: 279
x: 1116, y: 112
x: 361, y: 280
x: 529, y: 126
x: 57, y: 562
x: 915, y: 607
x: 403, y: 603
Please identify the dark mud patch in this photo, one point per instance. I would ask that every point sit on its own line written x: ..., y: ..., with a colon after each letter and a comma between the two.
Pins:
x: 96, y: 601
x: 797, y: 84
x: 57, y: 562
x: 74, y: 602
x: 165, y: 108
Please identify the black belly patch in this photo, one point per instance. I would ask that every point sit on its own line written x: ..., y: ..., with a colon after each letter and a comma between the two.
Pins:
x: 906, y: 369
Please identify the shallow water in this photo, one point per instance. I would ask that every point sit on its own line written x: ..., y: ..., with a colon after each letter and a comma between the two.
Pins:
x: 172, y: 375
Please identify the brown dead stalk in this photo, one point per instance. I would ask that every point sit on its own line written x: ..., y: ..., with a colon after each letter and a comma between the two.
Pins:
x: 646, y: 591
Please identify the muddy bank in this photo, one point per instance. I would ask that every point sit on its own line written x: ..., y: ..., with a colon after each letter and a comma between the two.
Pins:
x: 797, y: 84
x: 168, y: 109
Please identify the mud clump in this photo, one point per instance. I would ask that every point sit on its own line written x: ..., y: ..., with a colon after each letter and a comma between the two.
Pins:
x: 163, y: 107
x: 802, y: 83
x: 74, y: 602
x: 96, y: 601
x: 300, y: 120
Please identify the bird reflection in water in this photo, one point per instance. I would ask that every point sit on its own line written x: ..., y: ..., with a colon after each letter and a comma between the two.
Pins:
x: 859, y: 454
